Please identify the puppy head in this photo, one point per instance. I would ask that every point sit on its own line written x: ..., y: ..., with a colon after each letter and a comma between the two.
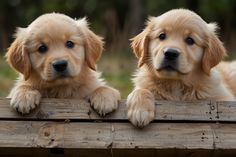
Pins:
x: 177, y: 43
x: 55, y: 47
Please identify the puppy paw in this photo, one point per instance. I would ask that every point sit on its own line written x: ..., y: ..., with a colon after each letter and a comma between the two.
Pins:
x: 141, y: 107
x: 23, y: 101
x: 104, y: 100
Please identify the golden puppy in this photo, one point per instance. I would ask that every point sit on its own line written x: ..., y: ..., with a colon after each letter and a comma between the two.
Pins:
x: 56, y: 58
x: 177, y: 53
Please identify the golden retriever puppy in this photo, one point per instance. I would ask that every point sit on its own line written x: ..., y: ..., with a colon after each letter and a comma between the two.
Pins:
x: 178, y: 53
x: 56, y: 58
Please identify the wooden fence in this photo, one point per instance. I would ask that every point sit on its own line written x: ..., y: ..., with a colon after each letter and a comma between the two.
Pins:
x: 60, y: 127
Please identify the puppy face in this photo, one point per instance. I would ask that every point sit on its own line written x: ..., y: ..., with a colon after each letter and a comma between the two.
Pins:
x: 177, y: 43
x: 55, y: 47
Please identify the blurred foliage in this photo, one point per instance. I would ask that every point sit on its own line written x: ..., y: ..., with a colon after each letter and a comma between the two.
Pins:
x: 117, y: 71
x: 7, y: 77
x: 124, y: 16
x: 117, y: 21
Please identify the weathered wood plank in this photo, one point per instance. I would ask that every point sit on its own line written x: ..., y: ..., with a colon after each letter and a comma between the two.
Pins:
x: 226, y: 111
x: 165, y: 110
x: 36, y: 134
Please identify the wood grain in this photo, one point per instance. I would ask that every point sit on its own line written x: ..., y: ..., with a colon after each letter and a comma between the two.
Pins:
x: 63, y: 127
x: 35, y: 134
x: 63, y: 109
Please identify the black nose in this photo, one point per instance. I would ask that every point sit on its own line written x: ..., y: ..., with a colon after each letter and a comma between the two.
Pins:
x: 60, y: 65
x: 171, y: 54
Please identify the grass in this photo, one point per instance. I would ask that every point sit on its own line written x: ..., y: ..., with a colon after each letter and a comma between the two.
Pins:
x: 116, y: 70
x: 7, y: 77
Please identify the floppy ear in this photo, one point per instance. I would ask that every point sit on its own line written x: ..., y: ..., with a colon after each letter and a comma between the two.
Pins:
x: 214, y: 51
x: 93, y: 44
x: 17, y: 56
x: 140, y: 47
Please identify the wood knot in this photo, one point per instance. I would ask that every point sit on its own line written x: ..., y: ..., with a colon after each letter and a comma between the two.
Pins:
x: 212, y: 107
x: 46, y: 133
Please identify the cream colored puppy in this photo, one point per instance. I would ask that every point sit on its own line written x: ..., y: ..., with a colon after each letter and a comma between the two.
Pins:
x: 56, y: 58
x: 178, y: 53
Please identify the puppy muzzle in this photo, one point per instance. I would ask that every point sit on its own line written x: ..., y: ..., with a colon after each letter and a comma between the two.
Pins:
x: 170, y: 61
x: 60, y: 68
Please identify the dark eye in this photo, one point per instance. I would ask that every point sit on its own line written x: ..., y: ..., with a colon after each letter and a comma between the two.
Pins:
x: 42, y: 49
x: 69, y: 44
x: 189, y: 41
x: 162, y: 36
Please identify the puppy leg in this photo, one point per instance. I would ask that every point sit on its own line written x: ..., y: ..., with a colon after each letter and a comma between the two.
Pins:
x: 141, y: 107
x: 24, y: 99
x: 105, y: 99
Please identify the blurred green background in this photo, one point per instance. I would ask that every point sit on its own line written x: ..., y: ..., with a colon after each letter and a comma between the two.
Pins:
x: 117, y: 21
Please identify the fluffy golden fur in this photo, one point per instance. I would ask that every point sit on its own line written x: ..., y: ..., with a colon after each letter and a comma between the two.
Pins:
x: 38, y: 77
x: 191, y: 72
